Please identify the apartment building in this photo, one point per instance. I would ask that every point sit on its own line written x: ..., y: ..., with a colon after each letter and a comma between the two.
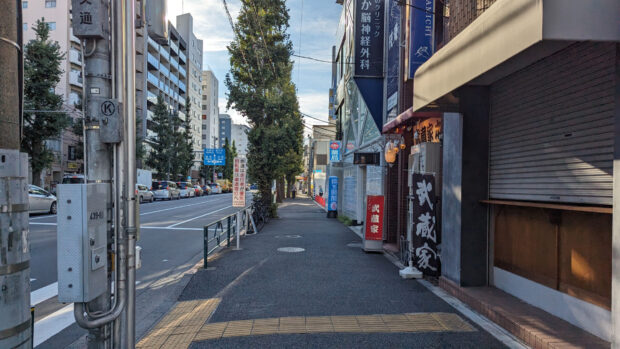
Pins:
x: 224, y: 129
x: 57, y: 15
x: 185, y: 26
x: 210, y: 109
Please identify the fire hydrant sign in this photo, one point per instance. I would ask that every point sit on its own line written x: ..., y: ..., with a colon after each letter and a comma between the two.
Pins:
x: 374, y: 217
x: 239, y: 182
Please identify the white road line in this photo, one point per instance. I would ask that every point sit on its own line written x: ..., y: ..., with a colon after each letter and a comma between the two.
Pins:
x: 203, y: 215
x: 50, y: 325
x: 176, y: 207
x: 44, y: 293
x: 166, y: 228
x: 42, y: 217
x: 35, y: 223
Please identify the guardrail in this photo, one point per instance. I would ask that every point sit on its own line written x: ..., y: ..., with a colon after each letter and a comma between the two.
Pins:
x: 226, y: 229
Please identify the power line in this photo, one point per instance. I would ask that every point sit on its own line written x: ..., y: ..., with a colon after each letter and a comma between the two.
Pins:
x: 312, y: 117
x: 232, y: 25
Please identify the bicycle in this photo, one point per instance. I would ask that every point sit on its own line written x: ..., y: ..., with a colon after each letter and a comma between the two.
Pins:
x: 260, y: 216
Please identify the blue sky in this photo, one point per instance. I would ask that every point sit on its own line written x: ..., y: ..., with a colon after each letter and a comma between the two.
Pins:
x: 319, y: 25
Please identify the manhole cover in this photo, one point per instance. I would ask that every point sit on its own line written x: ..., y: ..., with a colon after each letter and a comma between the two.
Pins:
x: 355, y: 244
x: 287, y: 236
x: 291, y: 249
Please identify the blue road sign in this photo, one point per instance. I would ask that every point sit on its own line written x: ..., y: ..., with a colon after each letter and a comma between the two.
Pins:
x: 214, y: 156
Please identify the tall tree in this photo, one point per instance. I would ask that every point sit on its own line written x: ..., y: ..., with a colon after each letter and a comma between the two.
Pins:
x: 162, y: 151
x: 184, y: 146
x: 231, y: 154
x: 42, y: 72
x: 260, y: 87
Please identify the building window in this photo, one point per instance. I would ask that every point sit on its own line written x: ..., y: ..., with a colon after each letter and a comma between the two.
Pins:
x: 24, y: 4
x: 50, y: 3
x: 25, y: 27
x: 204, y: 127
x: 71, y: 153
x: 51, y: 25
x: 204, y: 117
x: 204, y: 136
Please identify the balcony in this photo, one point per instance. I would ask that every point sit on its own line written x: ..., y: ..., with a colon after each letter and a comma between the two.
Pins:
x: 150, y: 115
x: 163, y: 70
x: 182, y: 71
x: 153, y: 61
x: 182, y: 86
x: 152, y: 79
x: 153, y: 43
x: 164, y: 53
x: 175, y: 64
x: 174, y: 79
x: 182, y: 57
x: 75, y: 56
x: 181, y: 100
x: 151, y: 97
x: 174, y: 49
x: 75, y: 78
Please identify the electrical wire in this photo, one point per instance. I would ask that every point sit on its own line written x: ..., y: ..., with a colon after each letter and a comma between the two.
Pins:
x: 236, y: 32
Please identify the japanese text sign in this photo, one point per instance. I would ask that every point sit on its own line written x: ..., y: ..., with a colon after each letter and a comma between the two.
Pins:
x: 332, y: 194
x: 425, y: 233
x: 239, y: 180
x: 214, y: 156
x: 393, y: 51
x: 334, y: 151
x: 374, y: 217
x: 369, y: 37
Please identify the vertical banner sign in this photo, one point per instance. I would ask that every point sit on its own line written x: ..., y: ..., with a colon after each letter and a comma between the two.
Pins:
x: 239, y: 182
x: 393, y: 50
x: 334, y: 151
x: 332, y: 195
x: 374, y: 217
x: 425, y: 233
x: 369, y: 38
x: 422, y: 34
x: 332, y: 110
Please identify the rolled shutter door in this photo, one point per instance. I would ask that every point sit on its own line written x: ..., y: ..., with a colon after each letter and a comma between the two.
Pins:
x: 552, y: 128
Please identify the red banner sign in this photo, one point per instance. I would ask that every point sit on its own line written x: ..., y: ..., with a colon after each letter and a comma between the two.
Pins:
x: 374, y: 217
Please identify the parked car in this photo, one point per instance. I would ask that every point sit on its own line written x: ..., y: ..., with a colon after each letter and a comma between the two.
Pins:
x: 253, y: 187
x: 215, y: 188
x: 143, y: 193
x: 198, y: 190
x: 41, y: 201
x: 206, y: 190
x: 73, y: 179
x: 186, y: 189
x: 165, y: 190
x: 225, y: 184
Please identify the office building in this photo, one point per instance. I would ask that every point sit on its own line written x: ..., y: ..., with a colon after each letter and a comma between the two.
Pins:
x: 210, y: 109
x: 224, y: 128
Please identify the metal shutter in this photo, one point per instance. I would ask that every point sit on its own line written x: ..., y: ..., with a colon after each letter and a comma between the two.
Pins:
x: 552, y: 128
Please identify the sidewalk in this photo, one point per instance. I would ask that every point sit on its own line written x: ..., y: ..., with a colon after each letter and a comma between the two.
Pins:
x: 331, y: 294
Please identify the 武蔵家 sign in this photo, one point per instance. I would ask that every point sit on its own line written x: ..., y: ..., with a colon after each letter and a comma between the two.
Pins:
x: 374, y: 217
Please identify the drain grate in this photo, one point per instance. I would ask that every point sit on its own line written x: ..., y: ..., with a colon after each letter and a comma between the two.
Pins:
x: 291, y: 249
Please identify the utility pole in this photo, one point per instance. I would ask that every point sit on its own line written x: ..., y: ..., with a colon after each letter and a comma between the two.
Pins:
x: 15, y: 321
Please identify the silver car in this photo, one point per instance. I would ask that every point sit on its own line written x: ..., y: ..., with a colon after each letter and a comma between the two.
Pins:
x: 41, y: 201
x: 165, y: 190
x: 143, y: 193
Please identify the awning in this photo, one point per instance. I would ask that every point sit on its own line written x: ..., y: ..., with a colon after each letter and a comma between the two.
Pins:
x: 506, y: 37
x: 405, y: 117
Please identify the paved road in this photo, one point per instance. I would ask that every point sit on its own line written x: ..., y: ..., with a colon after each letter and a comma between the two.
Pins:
x: 171, y: 241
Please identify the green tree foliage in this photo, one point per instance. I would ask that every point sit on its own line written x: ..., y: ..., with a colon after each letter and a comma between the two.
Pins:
x: 42, y: 72
x: 77, y: 128
x: 163, y: 145
x: 260, y: 88
x: 231, y: 154
x: 140, y: 148
x: 184, y: 148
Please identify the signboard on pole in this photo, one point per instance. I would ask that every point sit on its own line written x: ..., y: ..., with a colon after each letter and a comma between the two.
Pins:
x: 374, y: 217
x: 425, y: 233
x: 239, y: 182
x: 334, y: 151
x: 214, y: 156
x: 332, y: 197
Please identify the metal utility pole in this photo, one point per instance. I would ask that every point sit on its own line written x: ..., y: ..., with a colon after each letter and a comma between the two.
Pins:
x: 15, y: 321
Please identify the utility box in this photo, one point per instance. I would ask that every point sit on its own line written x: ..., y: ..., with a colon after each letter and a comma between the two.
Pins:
x: 81, y: 242
x: 90, y: 19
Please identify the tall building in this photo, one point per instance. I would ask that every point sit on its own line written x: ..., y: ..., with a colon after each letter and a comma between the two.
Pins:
x: 185, y: 26
x: 57, y: 15
x: 166, y: 76
x: 210, y: 109
x: 225, y: 124
x: 239, y: 135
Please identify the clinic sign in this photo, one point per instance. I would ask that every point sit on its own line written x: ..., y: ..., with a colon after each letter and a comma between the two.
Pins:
x: 214, y: 156
x: 334, y: 151
x: 393, y: 50
x: 369, y: 38
x: 332, y: 197
x: 422, y: 34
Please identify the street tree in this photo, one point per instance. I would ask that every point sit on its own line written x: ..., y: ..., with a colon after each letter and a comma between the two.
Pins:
x: 184, y: 147
x: 163, y: 143
x: 43, y: 116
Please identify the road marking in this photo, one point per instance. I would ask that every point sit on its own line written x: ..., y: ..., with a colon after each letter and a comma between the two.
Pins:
x: 202, y: 215
x: 35, y: 223
x: 44, y: 293
x: 166, y: 228
x: 176, y: 207
x: 42, y: 217
x: 50, y: 325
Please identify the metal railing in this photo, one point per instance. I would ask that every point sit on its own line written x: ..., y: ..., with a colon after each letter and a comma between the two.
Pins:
x: 227, y: 229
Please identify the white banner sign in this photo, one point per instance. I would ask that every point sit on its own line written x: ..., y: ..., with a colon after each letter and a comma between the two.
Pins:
x: 239, y: 182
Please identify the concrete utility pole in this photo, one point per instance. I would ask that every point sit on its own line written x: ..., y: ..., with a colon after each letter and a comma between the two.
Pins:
x: 15, y: 321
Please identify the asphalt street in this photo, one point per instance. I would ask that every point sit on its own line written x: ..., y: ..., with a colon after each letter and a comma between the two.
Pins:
x: 171, y: 241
